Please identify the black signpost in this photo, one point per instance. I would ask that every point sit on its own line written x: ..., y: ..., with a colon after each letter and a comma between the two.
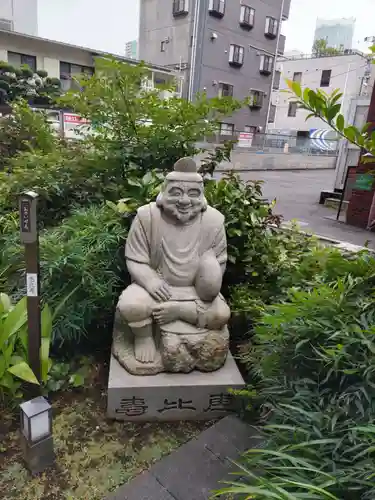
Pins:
x: 30, y: 238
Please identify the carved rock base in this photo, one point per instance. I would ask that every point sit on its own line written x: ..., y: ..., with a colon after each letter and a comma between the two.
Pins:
x: 180, y: 348
x: 172, y: 396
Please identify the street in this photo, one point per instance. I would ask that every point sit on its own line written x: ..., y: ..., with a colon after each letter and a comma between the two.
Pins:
x: 297, y: 197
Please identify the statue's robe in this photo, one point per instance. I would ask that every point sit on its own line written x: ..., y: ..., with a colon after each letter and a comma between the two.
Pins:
x: 174, y: 250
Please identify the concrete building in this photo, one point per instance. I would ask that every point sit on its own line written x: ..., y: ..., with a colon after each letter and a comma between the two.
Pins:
x: 223, y: 47
x: 131, y: 49
x: 338, y: 33
x: 349, y: 153
x: 350, y: 72
x: 65, y: 61
x: 19, y: 15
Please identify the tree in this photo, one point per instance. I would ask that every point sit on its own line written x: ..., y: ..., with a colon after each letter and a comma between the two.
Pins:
x: 36, y: 88
x: 321, y: 49
x: 133, y: 125
x: 24, y: 130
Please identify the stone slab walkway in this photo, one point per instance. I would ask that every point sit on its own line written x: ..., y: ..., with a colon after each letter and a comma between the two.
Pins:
x: 196, y: 468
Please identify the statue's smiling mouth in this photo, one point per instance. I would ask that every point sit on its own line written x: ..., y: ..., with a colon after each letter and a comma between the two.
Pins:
x: 183, y: 210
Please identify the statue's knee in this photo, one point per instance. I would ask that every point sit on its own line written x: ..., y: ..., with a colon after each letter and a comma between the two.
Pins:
x: 223, y: 313
x: 131, y: 309
x: 219, y: 315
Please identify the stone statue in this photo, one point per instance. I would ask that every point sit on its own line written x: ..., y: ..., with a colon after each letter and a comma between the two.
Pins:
x: 172, y: 317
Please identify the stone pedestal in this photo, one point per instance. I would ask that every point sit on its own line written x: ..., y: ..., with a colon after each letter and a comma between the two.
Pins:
x: 172, y: 396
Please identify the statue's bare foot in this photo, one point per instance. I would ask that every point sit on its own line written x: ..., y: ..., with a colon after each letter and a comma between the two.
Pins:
x: 166, y: 312
x: 144, y: 349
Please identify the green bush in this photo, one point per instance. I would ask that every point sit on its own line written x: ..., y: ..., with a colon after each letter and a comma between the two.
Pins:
x: 24, y: 130
x: 83, y: 259
x: 23, y: 83
x: 64, y: 178
x: 313, y: 359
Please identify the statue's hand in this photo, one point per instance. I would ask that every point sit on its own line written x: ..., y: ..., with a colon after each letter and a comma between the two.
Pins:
x: 159, y: 290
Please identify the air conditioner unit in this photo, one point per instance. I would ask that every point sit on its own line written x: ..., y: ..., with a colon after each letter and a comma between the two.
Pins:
x: 6, y: 24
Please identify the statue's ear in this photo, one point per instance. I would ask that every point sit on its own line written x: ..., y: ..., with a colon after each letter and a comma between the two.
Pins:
x: 205, y: 204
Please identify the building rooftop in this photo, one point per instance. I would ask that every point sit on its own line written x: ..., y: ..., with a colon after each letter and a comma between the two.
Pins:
x: 346, y: 52
x: 86, y: 49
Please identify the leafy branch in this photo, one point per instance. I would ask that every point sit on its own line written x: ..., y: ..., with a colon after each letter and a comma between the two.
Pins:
x: 327, y: 107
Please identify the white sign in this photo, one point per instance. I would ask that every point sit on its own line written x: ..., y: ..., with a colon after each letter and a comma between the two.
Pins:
x: 245, y: 140
x: 75, y: 127
x: 32, y: 284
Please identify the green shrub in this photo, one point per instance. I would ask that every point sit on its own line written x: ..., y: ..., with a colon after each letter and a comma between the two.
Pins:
x: 63, y: 178
x: 24, y: 130
x: 312, y: 358
x: 22, y: 82
x: 82, y: 259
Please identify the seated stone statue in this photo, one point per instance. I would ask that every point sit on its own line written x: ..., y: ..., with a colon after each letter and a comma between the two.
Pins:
x: 172, y: 317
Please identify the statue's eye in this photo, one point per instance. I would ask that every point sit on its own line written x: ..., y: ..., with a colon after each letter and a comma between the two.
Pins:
x: 175, y: 192
x: 194, y: 193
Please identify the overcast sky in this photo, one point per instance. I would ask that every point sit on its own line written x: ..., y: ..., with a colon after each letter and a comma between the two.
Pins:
x: 300, y: 27
x: 108, y: 24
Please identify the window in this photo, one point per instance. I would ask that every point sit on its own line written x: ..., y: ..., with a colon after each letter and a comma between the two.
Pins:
x: 216, y: 8
x: 180, y: 7
x: 226, y: 129
x: 297, y: 77
x: 68, y: 71
x: 276, y: 81
x: 272, y: 26
x: 266, y: 65
x: 249, y: 129
x: 326, y: 78
x: 272, y: 115
x: 162, y: 46
x: 256, y: 98
x: 225, y: 90
x: 292, y: 110
x: 247, y: 17
x: 236, y: 55
x: 18, y: 60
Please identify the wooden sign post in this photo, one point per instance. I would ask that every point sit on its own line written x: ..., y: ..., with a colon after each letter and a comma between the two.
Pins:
x: 30, y: 238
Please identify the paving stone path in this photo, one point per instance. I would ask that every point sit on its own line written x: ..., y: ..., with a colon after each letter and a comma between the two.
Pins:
x: 197, y: 468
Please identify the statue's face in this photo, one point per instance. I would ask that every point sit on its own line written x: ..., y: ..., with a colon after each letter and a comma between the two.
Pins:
x: 183, y: 201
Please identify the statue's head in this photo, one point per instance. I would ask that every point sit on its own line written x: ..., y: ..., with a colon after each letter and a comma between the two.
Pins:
x: 182, y: 195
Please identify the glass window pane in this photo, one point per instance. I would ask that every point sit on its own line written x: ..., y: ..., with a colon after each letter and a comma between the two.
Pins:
x: 29, y: 61
x: 39, y: 426
x: 14, y: 59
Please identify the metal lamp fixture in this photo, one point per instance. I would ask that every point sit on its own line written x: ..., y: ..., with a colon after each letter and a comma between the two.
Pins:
x: 36, y: 434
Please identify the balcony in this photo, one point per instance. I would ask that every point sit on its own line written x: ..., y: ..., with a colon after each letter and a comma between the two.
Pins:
x: 286, y: 9
x: 157, y: 79
x: 281, y: 48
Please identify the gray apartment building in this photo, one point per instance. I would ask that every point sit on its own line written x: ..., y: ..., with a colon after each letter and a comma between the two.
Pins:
x: 223, y: 47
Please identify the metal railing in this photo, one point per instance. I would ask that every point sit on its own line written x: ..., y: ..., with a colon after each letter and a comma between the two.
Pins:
x: 278, y: 143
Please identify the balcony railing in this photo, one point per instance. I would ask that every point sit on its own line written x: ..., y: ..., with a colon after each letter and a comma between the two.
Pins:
x: 281, y: 48
x: 286, y: 9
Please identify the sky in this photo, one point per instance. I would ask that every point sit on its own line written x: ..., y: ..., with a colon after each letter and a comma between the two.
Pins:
x: 300, y: 27
x: 108, y: 24
x: 97, y: 24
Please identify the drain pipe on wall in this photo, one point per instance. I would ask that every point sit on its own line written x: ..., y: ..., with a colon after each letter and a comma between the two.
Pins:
x: 274, y: 63
x: 194, y: 50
